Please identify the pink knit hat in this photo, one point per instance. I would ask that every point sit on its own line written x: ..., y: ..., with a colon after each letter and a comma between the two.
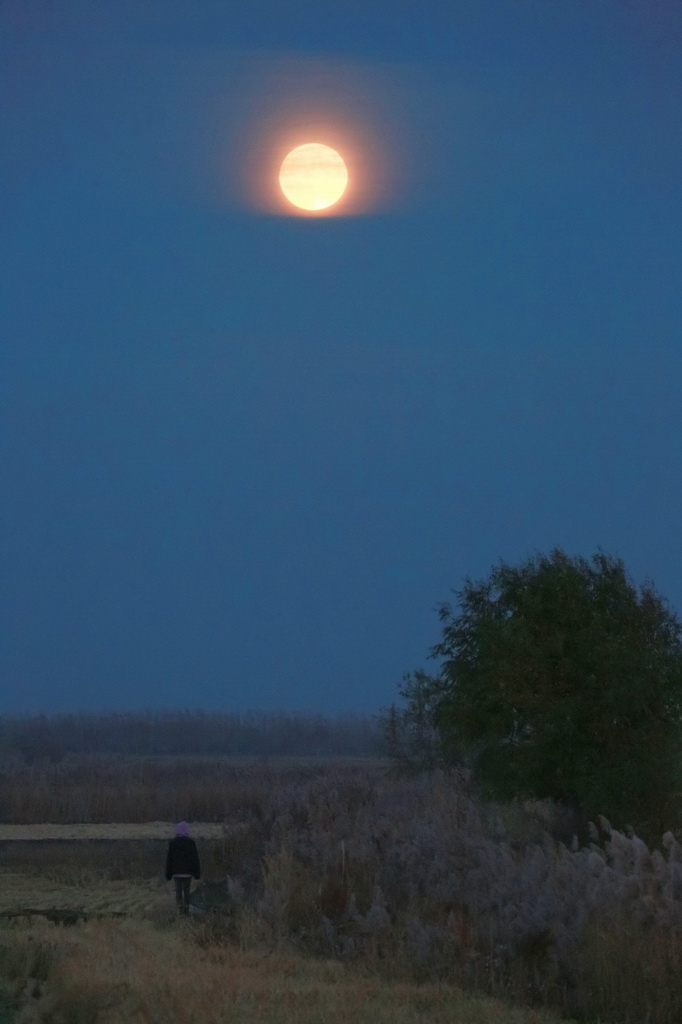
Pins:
x: 182, y: 829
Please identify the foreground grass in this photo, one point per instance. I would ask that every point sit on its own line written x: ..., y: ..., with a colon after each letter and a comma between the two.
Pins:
x: 139, y: 972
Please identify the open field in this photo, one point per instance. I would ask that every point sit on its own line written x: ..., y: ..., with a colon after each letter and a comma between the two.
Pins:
x: 27, y: 893
x: 355, y: 897
x: 100, y: 789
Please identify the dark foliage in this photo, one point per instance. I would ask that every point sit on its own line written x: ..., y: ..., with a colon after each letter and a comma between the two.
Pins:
x: 558, y: 679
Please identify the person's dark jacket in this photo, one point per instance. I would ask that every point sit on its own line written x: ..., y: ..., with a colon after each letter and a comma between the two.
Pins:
x: 183, y: 858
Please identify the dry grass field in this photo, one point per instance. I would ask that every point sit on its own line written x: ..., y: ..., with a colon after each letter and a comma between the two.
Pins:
x: 355, y: 898
x: 140, y: 972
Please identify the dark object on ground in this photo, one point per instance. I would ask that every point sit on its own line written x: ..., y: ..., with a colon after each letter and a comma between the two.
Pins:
x: 211, y: 898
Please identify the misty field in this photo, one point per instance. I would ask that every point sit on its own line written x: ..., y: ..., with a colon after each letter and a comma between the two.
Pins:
x: 354, y: 896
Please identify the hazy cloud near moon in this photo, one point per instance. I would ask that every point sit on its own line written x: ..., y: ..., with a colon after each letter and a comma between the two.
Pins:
x: 267, y: 104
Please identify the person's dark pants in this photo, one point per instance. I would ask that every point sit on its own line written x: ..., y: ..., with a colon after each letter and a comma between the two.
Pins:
x: 182, y: 892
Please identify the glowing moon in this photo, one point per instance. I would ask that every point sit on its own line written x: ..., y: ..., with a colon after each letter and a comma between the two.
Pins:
x: 313, y: 176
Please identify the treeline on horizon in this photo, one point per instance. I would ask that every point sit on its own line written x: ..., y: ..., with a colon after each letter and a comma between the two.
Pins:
x: 249, y: 734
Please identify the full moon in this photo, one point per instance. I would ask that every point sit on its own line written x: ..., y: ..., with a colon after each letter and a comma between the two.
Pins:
x: 313, y: 176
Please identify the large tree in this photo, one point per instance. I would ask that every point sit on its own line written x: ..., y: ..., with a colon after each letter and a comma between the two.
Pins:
x: 559, y: 679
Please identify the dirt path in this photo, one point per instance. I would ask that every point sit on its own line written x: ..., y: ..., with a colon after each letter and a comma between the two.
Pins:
x: 114, y: 830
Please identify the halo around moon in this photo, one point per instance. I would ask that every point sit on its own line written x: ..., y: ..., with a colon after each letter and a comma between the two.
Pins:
x: 313, y: 176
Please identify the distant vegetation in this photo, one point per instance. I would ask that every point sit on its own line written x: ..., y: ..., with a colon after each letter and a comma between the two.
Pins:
x: 182, y: 733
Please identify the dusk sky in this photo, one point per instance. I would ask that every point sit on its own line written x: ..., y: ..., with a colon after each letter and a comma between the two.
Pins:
x: 245, y: 452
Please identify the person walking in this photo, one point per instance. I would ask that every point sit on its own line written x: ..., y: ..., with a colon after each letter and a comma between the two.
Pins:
x: 182, y: 864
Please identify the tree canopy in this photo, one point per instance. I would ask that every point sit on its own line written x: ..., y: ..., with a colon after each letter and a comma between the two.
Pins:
x: 558, y: 679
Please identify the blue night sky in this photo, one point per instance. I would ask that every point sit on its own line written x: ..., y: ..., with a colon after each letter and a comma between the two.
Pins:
x: 244, y: 454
